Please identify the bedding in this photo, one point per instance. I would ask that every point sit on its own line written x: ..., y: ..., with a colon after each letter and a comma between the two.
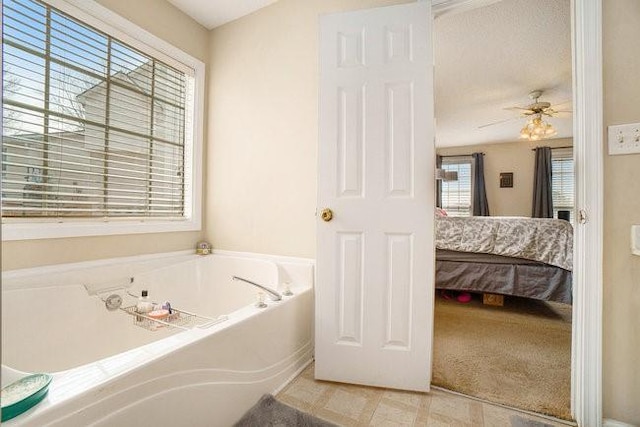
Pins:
x: 540, y: 239
x: 526, y: 257
x: 496, y: 274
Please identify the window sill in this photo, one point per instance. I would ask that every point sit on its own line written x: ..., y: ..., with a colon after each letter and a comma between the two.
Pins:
x: 12, y: 231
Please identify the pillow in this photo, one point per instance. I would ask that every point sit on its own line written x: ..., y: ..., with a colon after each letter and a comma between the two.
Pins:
x: 441, y: 212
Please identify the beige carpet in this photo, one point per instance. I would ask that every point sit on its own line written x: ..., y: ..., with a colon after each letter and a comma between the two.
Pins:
x: 518, y: 355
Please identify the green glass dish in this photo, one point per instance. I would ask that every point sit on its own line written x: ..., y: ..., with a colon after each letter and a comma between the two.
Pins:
x: 22, y: 395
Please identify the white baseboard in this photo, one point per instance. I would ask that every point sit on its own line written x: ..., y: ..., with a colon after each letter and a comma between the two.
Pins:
x: 608, y: 422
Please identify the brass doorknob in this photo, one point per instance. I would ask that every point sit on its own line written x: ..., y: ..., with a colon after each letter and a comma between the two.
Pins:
x: 326, y: 214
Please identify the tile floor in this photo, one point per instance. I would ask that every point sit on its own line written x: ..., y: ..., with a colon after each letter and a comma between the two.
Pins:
x: 351, y: 405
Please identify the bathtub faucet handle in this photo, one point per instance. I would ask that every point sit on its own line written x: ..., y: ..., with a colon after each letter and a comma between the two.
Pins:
x: 287, y: 289
x: 260, y: 300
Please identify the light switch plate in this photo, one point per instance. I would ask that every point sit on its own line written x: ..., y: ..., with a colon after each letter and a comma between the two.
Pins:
x: 635, y: 239
x: 624, y: 139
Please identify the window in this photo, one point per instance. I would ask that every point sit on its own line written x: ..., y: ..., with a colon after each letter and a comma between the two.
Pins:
x: 562, y: 181
x: 97, y: 126
x: 456, y: 195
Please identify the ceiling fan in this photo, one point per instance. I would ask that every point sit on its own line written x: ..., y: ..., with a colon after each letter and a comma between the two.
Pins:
x: 536, y: 110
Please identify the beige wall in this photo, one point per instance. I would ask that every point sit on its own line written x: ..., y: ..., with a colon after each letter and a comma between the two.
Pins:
x: 170, y: 24
x: 264, y: 128
x: 515, y: 157
x: 621, y: 47
x: 164, y: 20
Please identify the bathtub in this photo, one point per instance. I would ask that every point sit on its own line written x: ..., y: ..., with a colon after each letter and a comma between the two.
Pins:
x: 109, y: 371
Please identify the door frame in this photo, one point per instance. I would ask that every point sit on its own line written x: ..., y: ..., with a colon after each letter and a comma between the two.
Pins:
x: 588, y: 140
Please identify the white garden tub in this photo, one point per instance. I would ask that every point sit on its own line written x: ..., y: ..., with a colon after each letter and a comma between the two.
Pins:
x: 109, y: 371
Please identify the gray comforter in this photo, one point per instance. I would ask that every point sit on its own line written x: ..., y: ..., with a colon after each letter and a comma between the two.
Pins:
x: 540, y: 239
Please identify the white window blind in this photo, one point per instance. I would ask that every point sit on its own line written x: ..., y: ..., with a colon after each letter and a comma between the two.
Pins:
x: 562, y: 181
x: 456, y: 195
x: 92, y: 127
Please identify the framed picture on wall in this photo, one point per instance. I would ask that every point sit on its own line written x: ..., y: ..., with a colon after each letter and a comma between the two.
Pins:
x: 506, y: 180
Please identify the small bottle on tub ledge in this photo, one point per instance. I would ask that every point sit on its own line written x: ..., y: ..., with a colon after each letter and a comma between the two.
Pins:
x: 203, y: 248
x: 144, y: 305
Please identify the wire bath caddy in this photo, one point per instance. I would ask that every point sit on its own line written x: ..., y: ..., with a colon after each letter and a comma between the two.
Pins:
x: 176, y: 319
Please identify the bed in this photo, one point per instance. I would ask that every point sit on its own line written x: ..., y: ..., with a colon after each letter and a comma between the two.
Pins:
x: 525, y: 257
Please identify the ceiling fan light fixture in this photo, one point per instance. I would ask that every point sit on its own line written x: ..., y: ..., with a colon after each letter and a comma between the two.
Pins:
x: 550, y: 131
x: 536, y: 129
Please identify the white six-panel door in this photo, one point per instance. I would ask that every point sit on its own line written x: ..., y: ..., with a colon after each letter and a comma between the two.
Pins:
x: 375, y: 257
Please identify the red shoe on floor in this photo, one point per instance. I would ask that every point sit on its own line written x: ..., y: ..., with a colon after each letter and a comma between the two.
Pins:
x: 464, y: 297
x: 446, y: 295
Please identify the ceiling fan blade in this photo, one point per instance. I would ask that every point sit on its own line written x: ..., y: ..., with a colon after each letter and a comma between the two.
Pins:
x: 550, y: 112
x: 516, y: 109
x: 498, y: 122
x: 561, y: 103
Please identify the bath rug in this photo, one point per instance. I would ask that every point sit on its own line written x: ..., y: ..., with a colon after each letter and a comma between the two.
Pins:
x: 268, y: 412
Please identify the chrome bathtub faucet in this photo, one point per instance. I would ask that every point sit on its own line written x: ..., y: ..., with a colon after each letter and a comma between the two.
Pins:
x: 274, y: 294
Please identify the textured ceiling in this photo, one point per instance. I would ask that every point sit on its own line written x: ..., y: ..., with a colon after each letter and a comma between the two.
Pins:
x: 487, y: 58
x: 491, y: 58
x: 212, y: 13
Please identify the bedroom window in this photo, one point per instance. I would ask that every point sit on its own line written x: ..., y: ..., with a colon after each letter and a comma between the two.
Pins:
x: 562, y: 181
x: 456, y: 195
x: 98, y: 127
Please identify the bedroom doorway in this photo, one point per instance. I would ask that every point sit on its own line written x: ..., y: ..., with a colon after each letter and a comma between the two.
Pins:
x: 586, y: 383
x: 503, y: 313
